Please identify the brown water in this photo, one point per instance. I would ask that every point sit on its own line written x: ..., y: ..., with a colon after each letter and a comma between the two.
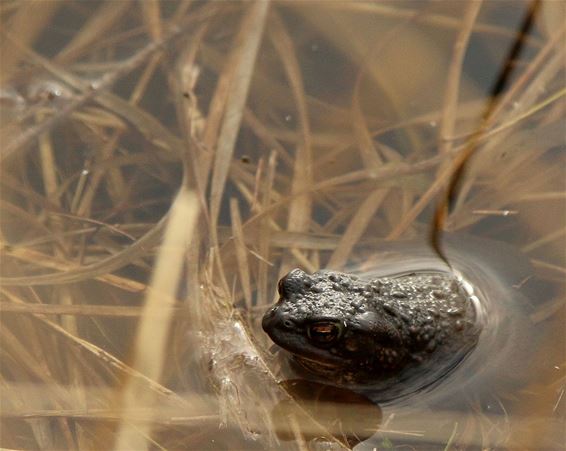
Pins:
x: 353, y: 113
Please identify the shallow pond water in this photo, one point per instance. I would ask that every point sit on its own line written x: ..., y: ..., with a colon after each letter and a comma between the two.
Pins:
x: 278, y: 135
x: 503, y: 362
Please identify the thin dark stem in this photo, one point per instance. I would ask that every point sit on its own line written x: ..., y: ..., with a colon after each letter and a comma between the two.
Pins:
x: 461, y: 161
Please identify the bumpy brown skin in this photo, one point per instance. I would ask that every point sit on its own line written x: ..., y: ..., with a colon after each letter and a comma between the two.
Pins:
x: 349, y: 331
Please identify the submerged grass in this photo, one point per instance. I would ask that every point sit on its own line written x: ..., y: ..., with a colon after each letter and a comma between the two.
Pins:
x: 306, y: 144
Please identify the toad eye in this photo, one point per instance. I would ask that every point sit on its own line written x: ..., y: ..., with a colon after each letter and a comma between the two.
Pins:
x: 324, y: 332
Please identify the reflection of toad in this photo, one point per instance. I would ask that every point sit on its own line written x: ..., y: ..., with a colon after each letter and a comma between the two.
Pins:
x: 348, y: 331
x: 347, y: 415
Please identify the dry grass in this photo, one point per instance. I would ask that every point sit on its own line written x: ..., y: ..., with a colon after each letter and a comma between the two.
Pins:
x: 303, y: 135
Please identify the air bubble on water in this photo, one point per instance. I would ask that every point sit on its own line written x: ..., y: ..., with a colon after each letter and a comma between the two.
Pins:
x: 41, y: 90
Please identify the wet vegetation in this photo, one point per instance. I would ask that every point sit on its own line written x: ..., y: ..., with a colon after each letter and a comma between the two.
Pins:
x: 163, y: 163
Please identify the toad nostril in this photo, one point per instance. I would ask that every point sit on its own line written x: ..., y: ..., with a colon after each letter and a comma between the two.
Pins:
x: 288, y: 324
x: 268, y: 318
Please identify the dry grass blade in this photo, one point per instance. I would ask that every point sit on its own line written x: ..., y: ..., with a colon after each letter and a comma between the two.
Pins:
x: 75, y: 310
x: 96, y: 88
x: 153, y: 330
x: 251, y: 32
x: 531, y: 70
x: 28, y: 22
x: 300, y: 208
x: 104, y: 356
x: 368, y: 151
x: 303, y: 134
x: 462, y: 159
x: 545, y: 240
x: 157, y: 133
x: 39, y: 399
x: 357, y: 227
x: 67, y: 272
x: 146, y: 124
x: 94, y: 270
x: 513, y: 121
x: 268, y: 229
x: 241, y: 252
x: 544, y: 68
x: 265, y: 228
x: 451, y: 97
x: 152, y: 17
x: 439, y: 20
x: 106, y: 16
x: 448, y: 117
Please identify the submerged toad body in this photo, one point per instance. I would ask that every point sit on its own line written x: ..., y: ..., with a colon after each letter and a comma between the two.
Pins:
x: 391, y: 330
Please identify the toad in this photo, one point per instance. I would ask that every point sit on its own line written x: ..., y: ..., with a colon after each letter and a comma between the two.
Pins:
x: 347, y: 331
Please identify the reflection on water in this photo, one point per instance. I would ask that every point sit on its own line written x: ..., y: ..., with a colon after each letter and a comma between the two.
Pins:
x: 351, y: 416
x: 498, y: 275
x: 327, y: 149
